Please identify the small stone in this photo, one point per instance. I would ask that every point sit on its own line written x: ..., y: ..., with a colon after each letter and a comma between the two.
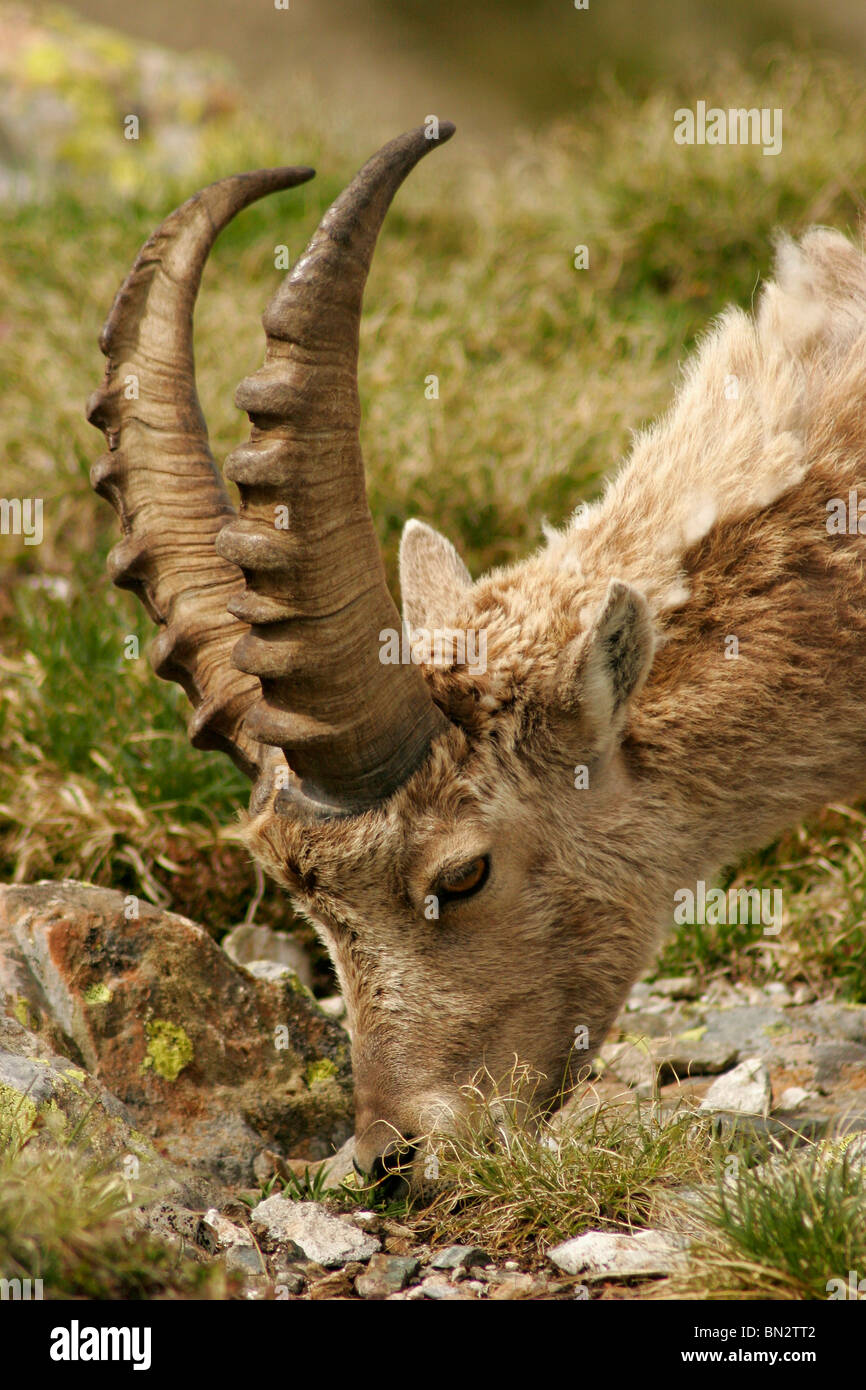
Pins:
x: 459, y: 1257
x: 517, y: 1286
x: 289, y: 1281
x: 441, y: 1289
x: 511, y: 1264
x: 244, y: 1259
x: 803, y: 994
x: 386, y: 1274
x: 744, y: 1091
x: 367, y: 1220
x: 600, y: 1255
x: 216, y: 1233
x: 272, y: 971
x: 331, y: 1240
x: 694, y: 1056
x: 250, y: 945
x: 794, y: 1097
x: 779, y: 994
x: 675, y: 986
x: 334, y: 1005
x: 340, y: 1284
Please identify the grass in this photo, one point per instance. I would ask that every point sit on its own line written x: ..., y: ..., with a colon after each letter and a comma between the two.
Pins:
x: 543, y: 372
x: 62, y: 1221
x: 783, y: 1230
x: 507, y: 1181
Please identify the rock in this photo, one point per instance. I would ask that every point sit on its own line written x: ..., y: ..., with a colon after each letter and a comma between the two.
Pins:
x: 340, y: 1165
x: 747, y: 1027
x: 637, y: 1062
x: 630, y: 1061
x: 515, y: 1285
x: 334, y: 1006
x: 675, y: 987
x: 459, y: 1257
x: 270, y: 970
x: 47, y: 1092
x: 834, y: 1059
x: 778, y: 994
x: 693, y: 1055
x: 744, y: 1091
x: 793, y: 1097
x: 843, y: 1021
x: 340, y: 1284
x: 289, y: 1281
x: 249, y: 944
x: 209, y: 1062
x: 245, y: 1260
x: 330, y: 1240
x: 440, y: 1288
x: 175, y: 1225
x: 386, y: 1274
x: 600, y: 1255
x: 216, y: 1233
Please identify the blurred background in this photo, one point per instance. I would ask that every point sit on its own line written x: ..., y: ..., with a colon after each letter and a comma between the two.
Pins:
x: 565, y: 138
x: 486, y: 63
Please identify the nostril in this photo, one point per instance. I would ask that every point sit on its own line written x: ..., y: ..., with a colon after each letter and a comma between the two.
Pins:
x: 395, y: 1162
x: 390, y: 1170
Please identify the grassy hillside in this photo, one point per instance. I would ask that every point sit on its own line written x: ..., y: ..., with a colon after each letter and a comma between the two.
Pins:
x: 543, y: 370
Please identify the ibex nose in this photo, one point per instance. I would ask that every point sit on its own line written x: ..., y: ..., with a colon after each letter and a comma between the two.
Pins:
x: 389, y: 1170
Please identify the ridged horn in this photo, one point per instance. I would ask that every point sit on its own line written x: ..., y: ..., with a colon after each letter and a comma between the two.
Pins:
x: 352, y: 729
x: 159, y: 474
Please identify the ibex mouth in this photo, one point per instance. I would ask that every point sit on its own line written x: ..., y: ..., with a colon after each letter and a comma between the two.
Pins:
x: 391, y: 1172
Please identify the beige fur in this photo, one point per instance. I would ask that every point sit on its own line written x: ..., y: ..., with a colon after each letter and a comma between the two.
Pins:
x: 607, y: 648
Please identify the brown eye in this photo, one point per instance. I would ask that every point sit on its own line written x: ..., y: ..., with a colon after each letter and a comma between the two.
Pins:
x: 467, y: 881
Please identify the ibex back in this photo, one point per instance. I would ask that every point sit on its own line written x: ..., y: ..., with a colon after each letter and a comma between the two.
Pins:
x: 490, y: 837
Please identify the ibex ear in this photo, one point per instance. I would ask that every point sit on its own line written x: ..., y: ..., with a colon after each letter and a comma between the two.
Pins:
x: 606, y: 665
x: 432, y: 577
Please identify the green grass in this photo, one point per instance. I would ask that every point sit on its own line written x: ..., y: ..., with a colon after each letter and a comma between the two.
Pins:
x: 62, y: 1221
x: 782, y: 1230
x: 543, y: 372
x: 508, y: 1182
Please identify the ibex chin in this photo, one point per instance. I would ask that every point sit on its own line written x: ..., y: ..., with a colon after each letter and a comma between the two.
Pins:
x: 490, y: 848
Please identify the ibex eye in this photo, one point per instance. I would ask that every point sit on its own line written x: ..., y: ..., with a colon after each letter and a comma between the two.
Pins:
x: 467, y: 880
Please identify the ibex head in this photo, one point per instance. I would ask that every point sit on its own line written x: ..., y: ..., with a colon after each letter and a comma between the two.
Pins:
x: 424, y: 813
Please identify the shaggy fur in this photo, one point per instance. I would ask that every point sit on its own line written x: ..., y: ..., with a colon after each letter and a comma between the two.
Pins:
x: 607, y: 649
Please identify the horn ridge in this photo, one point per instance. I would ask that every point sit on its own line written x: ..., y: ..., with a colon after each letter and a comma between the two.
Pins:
x: 159, y: 474
x: 352, y: 728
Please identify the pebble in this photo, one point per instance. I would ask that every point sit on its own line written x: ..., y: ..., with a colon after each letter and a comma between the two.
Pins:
x: 675, y: 986
x: 744, y: 1091
x: 216, y: 1233
x: 386, y: 1274
x: 244, y: 1259
x: 459, y: 1257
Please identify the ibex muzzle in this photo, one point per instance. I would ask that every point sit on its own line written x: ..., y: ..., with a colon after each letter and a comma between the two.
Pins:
x: 490, y: 848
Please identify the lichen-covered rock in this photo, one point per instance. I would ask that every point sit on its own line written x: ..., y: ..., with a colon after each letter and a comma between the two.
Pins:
x: 45, y: 1099
x: 210, y: 1062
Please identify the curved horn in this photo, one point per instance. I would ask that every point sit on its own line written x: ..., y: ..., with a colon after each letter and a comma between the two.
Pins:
x: 352, y: 729
x: 159, y: 474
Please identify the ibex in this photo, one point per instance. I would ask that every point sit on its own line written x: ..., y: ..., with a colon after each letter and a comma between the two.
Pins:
x: 490, y: 851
